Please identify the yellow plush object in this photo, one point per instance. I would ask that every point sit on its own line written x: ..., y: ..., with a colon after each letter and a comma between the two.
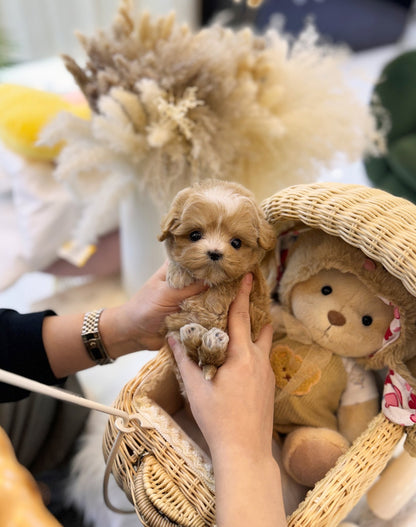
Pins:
x: 25, y: 111
x: 21, y: 503
x: 286, y: 364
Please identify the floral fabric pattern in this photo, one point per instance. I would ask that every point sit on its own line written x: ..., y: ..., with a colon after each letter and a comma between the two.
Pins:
x: 399, y: 401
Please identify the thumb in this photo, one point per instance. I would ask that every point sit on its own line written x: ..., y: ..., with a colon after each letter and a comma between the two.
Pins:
x: 187, y: 367
x: 239, y: 314
x: 264, y: 340
x: 177, y: 348
x: 190, y: 290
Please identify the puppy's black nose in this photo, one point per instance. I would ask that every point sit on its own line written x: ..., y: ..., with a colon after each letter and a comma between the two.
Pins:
x: 214, y: 255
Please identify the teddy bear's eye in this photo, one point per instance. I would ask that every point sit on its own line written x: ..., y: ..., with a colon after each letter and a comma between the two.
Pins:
x: 195, y: 236
x: 236, y: 243
x: 326, y: 290
x: 367, y: 320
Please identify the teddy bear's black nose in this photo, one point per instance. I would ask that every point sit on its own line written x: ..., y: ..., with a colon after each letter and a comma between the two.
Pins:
x: 336, y: 318
x: 214, y: 255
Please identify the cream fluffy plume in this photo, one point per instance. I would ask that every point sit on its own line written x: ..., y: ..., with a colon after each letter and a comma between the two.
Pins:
x: 172, y: 106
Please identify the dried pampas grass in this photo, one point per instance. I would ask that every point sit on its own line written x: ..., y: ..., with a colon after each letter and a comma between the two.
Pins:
x: 171, y: 107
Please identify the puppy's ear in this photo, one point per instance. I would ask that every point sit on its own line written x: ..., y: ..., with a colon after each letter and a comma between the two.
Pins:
x: 168, y: 223
x: 267, y: 236
x: 174, y: 215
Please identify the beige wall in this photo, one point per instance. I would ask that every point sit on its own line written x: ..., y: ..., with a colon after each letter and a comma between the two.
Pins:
x: 43, y: 28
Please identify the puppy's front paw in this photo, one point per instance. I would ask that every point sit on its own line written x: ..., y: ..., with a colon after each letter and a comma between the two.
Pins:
x: 191, y: 336
x: 212, y: 352
x: 215, y: 340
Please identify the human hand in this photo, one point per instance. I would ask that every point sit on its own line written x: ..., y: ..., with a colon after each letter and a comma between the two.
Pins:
x: 235, y: 413
x: 139, y: 323
x: 235, y: 409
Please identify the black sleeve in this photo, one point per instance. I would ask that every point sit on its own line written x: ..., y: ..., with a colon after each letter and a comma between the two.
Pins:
x: 22, y: 351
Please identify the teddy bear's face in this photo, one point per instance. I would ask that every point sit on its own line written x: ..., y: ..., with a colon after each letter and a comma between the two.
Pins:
x: 342, y: 314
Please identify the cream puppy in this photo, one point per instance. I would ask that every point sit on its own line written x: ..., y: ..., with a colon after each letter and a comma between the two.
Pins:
x: 214, y: 231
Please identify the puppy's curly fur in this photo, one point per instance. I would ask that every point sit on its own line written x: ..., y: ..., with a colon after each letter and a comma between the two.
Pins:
x: 214, y: 231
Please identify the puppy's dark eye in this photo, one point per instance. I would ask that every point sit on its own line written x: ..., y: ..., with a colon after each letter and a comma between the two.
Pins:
x: 195, y: 236
x: 367, y: 320
x: 236, y: 243
x: 326, y: 290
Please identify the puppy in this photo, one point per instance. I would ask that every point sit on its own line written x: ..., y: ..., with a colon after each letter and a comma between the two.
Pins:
x: 215, y: 232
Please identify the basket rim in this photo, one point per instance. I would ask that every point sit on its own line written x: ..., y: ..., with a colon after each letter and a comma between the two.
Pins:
x: 381, y: 225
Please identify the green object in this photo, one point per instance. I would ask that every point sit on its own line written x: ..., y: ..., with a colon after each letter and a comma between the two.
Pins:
x: 396, y: 91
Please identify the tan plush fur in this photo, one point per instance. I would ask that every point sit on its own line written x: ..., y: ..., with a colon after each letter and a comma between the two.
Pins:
x: 215, y: 232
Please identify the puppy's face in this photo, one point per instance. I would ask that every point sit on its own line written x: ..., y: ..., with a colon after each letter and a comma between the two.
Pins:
x: 216, y: 233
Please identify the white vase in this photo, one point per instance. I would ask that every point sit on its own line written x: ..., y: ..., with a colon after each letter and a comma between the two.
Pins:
x: 141, y: 252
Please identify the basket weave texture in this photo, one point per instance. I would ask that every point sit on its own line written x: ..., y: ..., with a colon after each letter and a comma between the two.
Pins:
x: 162, y: 471
x: 381, y: 225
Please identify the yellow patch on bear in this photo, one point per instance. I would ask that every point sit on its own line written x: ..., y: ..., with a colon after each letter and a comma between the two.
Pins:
x: 286, y: 364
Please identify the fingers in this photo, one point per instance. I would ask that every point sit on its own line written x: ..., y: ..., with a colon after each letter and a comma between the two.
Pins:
x: 160, y: 274
x: 189, y: 370
x: 239, y: 314
x: 192, y: 289
x: 180, y: 294
x: 239, y: 326
x: 264, y: 340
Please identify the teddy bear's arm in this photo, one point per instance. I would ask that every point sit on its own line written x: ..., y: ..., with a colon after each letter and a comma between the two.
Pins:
x: 359, y: 402
x: 353, y: 419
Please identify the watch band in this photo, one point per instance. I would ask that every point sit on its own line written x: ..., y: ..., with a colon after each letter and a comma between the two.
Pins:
x: 92, y: 338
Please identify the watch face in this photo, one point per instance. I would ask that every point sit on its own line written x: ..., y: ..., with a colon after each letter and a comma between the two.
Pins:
x: 94, y: 348
x: 92, y: 338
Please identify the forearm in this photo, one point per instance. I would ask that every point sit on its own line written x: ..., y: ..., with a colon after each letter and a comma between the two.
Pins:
x: 64, y: 346
x: 136, y: 325
x: 248, y: 487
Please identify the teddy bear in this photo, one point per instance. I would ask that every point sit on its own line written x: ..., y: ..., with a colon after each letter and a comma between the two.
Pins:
x: 336, y: 318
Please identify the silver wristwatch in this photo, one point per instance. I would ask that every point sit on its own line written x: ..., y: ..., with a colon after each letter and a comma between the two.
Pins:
x: 92, y: 338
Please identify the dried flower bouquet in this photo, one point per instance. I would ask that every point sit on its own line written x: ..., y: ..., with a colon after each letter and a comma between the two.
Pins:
x: 171, y: 106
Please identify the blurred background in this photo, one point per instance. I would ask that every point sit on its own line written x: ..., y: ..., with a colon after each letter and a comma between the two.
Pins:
x: 361, y: 24
x: 35, y: 29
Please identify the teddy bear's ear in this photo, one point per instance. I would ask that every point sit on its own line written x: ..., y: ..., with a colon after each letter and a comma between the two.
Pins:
x: 267, y: 236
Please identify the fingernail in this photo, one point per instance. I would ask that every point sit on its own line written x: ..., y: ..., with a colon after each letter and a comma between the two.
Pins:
x: 248, y: 279
x: 171, y: 340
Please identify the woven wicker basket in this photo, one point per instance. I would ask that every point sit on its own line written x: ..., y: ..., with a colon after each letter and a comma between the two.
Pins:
x: 164, y: 472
